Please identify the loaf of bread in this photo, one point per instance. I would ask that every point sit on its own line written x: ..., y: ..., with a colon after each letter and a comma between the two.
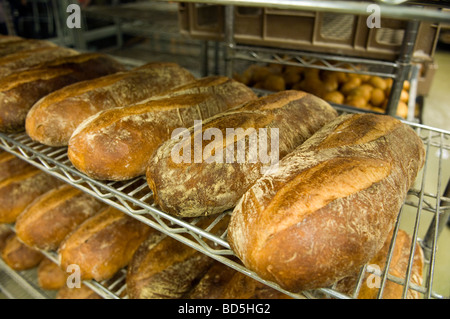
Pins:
x: 84, y: 292
x: 103, y: 244
x: 164, y: 268
x: 11, y: 165
x: 5, y: 233
x: 398, y: 265
x: 14, y: 45
x: 116, y: 144
x: 214, y: 181
x: 52, y: 216
x: 22, y: 60
x: 53, y: 119
x: 50, y: 276
x: 20, y: 90
x: 223, y: 282
x: 19, y: 256
x: 20, y: 190
x: 331, y: 204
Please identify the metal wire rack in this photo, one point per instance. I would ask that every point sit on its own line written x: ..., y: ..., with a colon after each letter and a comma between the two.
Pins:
x: 426, y: 204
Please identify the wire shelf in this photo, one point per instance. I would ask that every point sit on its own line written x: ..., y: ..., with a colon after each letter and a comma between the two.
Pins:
x: 134, y: 198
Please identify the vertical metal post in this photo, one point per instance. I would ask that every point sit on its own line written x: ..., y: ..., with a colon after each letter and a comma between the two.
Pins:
x: 216, y: 58
x: 8, y: 17
x: 403, y: 65
x: 204, y: 58
x: 229, y: 40
x: 440, y: 220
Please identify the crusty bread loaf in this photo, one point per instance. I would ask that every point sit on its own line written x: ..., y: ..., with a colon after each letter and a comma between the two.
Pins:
x: 116, y: 144
x: 14, y: 45
x: 28, y: 58
x: 84, y: 292
x: 18, y: 191
x: 5, y: 38
x: 50, y: 276
x: 5, y: 233
x: 398, y: 265
x: 11, y: 165
x: 52, y: 216
x: 103, y: 244
x: 223, y: 282
x: 20, y: 90
x: 53, y: 119
x: 331, y: 204
x: 164, y: 268
x: 19, y: 256
x: 226, y: 168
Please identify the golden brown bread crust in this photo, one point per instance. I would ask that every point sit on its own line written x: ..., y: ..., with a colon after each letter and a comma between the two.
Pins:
x: 11, y: 165
x: 223, y: 282
x: 53, y: 119
x: 331, y: 204
x: 20, y: 90
x: 52, y: 216
x: 213, y: 283
x: 50, y: 276
x: 397, y: 268
x: 116, y: 144
x: 20, y: 190
x: 84, y: 292
x: 4, y: 38
x: 103, y: 244
x: 28, y: 58
x: 5, y: 233
x: 11, y: 45
x: 209, y: 187
x: 165, y: 268
x: 19, y: 256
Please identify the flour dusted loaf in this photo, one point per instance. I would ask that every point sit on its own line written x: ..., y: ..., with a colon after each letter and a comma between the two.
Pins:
x: 50, y: 276
x: 11, y: 165
x: 54, y: 118
x: 331, y: 204
x: 223, y: 282
x: 24, y: 59
x: 19, y: 256
x: 116, y: 144
x: 21, y: 189
x: 52, y: 216
x: 103, y: 244
x: 218, y: 169
x: 20, y: 90
x: 398, y: 267
x: 13, y: 45
x: 5, y: 233
x: 165, y: 268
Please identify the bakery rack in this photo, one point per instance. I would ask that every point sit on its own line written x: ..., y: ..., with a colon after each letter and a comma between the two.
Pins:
x: 134, y: 198
x: 427, y: 203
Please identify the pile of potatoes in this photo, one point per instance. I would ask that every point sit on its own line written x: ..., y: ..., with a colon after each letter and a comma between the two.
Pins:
x: 357, y: 90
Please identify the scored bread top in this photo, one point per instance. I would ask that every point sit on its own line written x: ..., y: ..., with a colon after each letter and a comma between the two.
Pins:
x: 210, y: 179
x: 123, y: 139
x: 53, y: 119
x: 330, y: 205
